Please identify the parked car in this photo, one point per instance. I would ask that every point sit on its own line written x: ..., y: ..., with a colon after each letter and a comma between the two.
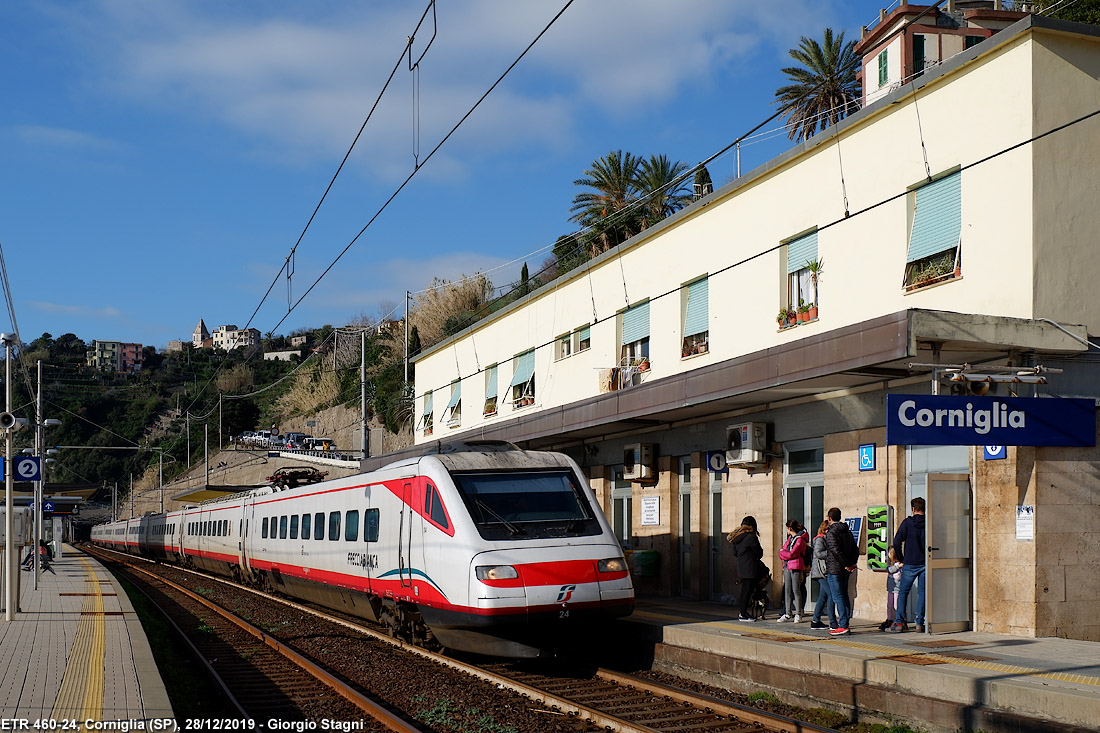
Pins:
x: 296, y: 440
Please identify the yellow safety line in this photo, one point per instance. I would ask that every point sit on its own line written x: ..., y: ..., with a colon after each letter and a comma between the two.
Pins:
x: 885, y: 651
x: 81, y: 695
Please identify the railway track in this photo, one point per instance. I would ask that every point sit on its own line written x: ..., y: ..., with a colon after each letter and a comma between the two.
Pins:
x: 574, y: 700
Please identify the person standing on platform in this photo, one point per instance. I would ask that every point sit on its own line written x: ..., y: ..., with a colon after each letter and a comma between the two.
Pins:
x: 793, y: 555
x: 840, y: 563
x: 746, y: 548
x: 817, y: 572
x: 909, y: 547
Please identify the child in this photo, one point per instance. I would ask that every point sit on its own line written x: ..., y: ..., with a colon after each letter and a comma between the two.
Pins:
x: 893, y: 582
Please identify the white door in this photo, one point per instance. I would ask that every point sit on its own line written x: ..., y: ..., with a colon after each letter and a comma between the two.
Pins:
x: 947, y: 567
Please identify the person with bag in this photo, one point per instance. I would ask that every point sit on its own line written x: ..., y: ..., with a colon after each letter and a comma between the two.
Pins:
x: 817, y: 572
x: 840, y: 563
x: 750, y: 566
x: 793, y: 555
x: 909, y: 546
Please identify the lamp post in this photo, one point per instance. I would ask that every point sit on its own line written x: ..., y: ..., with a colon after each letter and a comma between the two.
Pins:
x: 40, y: 484
x: 9, y: 424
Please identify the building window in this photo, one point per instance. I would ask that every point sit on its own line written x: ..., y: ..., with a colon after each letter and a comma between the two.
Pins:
x: 452, y: 413
x: 935, y: 251
x: 563, y: 347
x: 523, y: 379
x: 621, y: 509
x: 635, y: 339
x: 883, y: 71
x: 918, y: 54
x: 972, y: 41
x: 802, y: 267
x: 490, y: 391
x: 696, y: 318
x: 426, y: 415
x: 583, y: 338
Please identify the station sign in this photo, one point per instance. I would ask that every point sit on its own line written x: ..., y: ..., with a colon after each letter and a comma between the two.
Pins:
x: 954, y: 420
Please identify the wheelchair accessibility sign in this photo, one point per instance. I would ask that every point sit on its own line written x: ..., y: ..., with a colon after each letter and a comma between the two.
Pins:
x: 867, y: 457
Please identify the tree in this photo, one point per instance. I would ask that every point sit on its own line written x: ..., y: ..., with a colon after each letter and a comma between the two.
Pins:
x: 1082, y: 11
x: 825, y: 89
x: 607, y: 209
x: 664, y: 186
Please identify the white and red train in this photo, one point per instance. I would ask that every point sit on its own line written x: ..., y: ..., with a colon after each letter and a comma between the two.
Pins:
x: 481, y: 547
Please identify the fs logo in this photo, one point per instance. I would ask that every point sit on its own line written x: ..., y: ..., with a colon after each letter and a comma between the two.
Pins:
x: 566, y: 593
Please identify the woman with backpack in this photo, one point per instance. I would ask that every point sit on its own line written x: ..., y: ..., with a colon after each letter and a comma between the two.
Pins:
x: 796, y: 555
x: 750, y: 568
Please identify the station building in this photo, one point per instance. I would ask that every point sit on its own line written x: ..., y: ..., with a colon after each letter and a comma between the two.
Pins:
x: 952, y: 221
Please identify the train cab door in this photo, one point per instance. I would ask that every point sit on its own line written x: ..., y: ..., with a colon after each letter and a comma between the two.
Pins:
x: 404, y: 537
x: 242, y: 531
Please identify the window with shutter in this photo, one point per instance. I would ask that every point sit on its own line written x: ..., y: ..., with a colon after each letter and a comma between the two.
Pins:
x: 696, y: 323
x: 935, y: 240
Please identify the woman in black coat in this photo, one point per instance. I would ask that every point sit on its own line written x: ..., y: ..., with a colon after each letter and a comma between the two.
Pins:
x: 746, y: 547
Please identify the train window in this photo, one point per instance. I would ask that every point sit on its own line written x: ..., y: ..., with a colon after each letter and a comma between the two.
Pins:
x: 334, y: 526
x: 319, y: 526
x: 433, y: 507
x: 293, y: 526
x: 351, y: 525
x: 225, y: 528
x: 370, y: 532
x: 306, y: 526
x: 263, y: 528
x: 529, y: 505
x: 282, y: 527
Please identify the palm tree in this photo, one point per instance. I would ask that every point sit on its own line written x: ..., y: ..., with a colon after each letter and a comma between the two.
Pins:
x: 608, y: 210
x: 825, y: 88
x: 664, y: 186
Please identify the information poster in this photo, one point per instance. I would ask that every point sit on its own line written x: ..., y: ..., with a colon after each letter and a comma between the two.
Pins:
x: 651, y: 510
x: 1025, y: 523
x: 856, y: 525
x: 879, y: 522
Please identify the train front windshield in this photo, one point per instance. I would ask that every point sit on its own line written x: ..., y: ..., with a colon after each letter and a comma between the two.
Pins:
x: 527, y: 504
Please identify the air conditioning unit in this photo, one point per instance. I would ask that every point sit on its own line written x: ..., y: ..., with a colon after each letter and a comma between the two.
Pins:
x: 745, y: 443
x: 638, y: 461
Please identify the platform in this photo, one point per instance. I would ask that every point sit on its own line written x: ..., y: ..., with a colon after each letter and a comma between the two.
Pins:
x: 949, y: 682
x: 77, y: 651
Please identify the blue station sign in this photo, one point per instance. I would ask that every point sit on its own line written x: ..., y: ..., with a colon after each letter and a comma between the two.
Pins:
x: 950, y: 420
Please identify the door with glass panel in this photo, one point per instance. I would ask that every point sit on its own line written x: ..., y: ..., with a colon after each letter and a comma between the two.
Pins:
x: 947, y: 568
x: 684, y: 540
x: 803, y: 494
x: 621, y: 507
x: 715, y: 538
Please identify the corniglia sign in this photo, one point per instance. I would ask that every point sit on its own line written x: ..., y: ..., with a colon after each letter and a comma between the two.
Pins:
x: 948, y: 420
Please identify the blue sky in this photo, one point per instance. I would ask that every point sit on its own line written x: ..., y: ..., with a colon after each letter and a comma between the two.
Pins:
x: 159, y: 160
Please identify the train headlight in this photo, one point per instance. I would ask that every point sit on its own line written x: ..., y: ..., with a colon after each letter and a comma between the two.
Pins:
x: 612, y: 565
x: 496, y: 572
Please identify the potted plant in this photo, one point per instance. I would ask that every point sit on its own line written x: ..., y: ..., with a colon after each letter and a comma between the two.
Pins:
x: 803, y: 311
x: 792, y: 316
x: 781, y: 319
x: 816, y: 266
x: 643, y: 365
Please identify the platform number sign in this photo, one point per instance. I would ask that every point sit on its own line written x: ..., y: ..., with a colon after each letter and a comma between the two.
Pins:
x: 716, y: 462
x: 28, y: 468
x: 993, y: 452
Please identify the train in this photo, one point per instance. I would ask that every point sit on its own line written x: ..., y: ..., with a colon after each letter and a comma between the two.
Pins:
x: 477, y: 547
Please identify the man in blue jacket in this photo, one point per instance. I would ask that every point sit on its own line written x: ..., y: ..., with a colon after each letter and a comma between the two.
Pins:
x: 909, y: 547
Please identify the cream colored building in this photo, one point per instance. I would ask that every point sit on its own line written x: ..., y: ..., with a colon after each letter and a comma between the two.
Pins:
x: 954, y: 220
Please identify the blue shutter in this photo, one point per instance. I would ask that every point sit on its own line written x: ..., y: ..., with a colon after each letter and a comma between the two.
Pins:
x: 456, y: 396
x: 800, y: 251
x: 584, y: 334
x: 427, y: 404
x: 525, y: 368
x: 491, y: 383
x: 636, y: 323
x: 697, y: 313
x: 937, y: 218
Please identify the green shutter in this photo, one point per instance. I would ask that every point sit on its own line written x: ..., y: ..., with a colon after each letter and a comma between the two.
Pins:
x: 427, y: 404
x: 636, y: 323
x: 697, y: 314
x: 491, y: 383
x: 937, y: 220
x: 883, y: 73
x: 800, y: 251
x: 525, y: 368
x: 456, y: 396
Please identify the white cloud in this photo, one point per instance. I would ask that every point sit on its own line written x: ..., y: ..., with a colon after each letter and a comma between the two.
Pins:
x: 82, y: 311
x: 57, y: 137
